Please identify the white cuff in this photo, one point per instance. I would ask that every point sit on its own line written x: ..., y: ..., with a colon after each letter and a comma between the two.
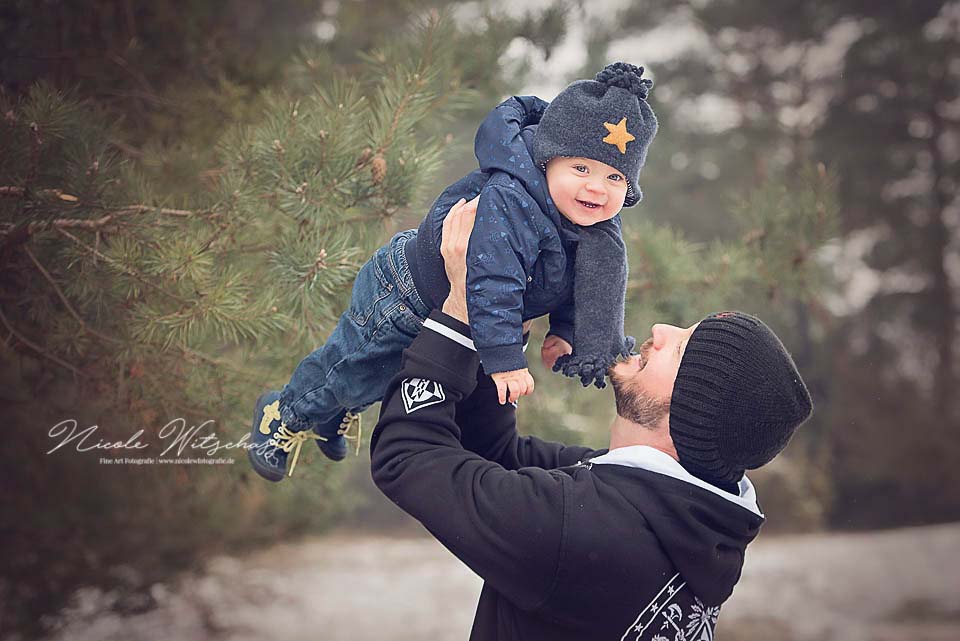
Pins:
x: 452, y: 334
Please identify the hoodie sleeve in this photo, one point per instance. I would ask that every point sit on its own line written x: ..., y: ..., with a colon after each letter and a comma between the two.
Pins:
x: 490, y: 430
x: 505, y: 525
x: 503, y: 248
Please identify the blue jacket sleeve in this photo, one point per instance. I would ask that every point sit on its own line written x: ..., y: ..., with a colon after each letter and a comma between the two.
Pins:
x: 503, y: 249
x: 561, y: 321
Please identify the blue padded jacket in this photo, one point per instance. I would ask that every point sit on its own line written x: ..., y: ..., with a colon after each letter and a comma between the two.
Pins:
x: 520, y: 262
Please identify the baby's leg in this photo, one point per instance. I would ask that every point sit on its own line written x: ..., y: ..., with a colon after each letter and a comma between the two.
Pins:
x: 348, y: 373
x: 352, y: 369
x: 313, y: 404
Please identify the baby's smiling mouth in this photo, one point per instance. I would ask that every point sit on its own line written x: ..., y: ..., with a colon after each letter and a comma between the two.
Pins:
x: 588, y: 204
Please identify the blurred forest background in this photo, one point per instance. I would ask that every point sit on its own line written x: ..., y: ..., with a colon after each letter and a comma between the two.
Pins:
x: 188, y: 188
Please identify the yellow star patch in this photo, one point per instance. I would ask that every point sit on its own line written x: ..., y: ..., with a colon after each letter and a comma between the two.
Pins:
x: 619, y: 135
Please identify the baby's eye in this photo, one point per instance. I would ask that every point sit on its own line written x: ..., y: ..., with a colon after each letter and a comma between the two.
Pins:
x: 616, y: 177
x: 580, y: 168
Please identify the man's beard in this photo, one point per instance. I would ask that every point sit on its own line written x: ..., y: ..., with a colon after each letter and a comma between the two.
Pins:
x: 636, y: 406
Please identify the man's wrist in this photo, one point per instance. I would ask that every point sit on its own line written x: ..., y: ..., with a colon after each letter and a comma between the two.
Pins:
x: 455, y: 308
x: 443, y: 352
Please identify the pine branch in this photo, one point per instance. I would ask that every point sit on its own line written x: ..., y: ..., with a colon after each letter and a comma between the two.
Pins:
x: 412, y: 88
x: 63, y: 298
x: 127, y: 270
x: 131, y: 151
x: 19, y: 192
x: 14, y: 235
x: 26, y: 341
x: 203, y: 248
x: 327, y: 226
x: 217, y: 362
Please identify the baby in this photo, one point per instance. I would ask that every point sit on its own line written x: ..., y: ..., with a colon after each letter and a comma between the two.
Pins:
x: 551, y: 183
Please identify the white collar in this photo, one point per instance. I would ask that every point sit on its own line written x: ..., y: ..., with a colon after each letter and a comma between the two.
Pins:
x: 653, y: 460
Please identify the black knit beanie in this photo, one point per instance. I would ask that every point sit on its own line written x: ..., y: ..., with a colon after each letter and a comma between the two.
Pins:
x: 737, y: 400
x: 605, y: 119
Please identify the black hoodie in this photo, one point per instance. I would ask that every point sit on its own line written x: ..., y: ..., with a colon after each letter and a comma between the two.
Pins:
x: 572, y: 543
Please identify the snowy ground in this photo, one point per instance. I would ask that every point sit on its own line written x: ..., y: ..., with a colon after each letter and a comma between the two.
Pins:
x: 901, y: 584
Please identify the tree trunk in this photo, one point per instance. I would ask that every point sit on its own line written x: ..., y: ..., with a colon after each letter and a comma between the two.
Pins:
x: 942, y: 294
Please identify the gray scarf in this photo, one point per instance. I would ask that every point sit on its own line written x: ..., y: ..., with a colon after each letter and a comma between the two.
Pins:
x: 599, y: 292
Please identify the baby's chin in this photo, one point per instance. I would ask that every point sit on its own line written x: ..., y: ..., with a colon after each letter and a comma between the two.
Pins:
x: 584, y: 221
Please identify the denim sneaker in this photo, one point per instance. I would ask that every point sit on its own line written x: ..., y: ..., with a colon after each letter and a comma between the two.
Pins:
x: 272, y: 440
x: 335, y: 434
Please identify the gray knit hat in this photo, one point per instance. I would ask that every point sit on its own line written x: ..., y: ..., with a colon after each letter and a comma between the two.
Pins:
x: 737, y: 400
x: 605, y: 119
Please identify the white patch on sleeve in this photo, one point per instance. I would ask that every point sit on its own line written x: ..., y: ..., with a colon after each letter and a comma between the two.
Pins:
x: 418, y: 393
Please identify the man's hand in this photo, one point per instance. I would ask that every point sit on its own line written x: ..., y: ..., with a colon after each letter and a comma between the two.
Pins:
x: 553, y: 348
x: 512, y: 385
x: 457, y: 227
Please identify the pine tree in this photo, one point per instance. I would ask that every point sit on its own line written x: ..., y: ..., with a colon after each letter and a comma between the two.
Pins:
x: 123, y: 304
x: 269, y: 250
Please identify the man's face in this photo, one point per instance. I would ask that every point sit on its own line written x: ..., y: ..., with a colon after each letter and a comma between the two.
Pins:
x: 585, y: 191
x: 643, y: 384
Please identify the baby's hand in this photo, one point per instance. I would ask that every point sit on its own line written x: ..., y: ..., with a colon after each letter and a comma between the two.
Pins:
x: 553, y: 348
x: 512, y: 385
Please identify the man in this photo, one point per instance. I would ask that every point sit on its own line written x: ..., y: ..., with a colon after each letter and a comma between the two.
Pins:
x: 644, y: 541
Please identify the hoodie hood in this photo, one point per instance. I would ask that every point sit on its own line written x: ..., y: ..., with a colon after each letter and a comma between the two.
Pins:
x: 504, y: 142
x: 703, y: 530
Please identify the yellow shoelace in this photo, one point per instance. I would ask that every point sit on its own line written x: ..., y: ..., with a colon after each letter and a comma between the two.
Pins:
x: 349, y: 421
x: 287, y: 440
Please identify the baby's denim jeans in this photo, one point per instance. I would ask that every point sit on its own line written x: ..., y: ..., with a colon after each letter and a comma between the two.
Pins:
x: 352, y: 369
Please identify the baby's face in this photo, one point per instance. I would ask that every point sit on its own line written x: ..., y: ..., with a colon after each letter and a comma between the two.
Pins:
x: 585, y: 191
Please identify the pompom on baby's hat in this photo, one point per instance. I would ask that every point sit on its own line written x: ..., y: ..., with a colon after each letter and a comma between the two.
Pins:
x: 626, y: 76
x: 605, y: 119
